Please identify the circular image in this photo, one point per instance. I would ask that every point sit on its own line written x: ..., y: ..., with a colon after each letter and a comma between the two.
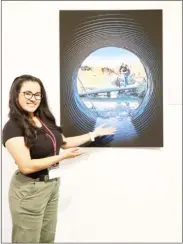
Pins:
x: 112, y: 82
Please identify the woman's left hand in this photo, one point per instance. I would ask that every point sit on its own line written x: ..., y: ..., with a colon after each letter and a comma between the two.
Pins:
x: 101, y: 131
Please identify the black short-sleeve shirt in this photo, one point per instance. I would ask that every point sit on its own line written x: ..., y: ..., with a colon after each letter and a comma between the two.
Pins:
x: 10, y: 130
x: 43, y: 146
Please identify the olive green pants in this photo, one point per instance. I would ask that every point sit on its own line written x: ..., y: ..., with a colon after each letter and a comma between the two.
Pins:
x: 33, y: 205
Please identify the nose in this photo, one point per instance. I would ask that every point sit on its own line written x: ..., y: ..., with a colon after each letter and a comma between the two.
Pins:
x: 33, y: 98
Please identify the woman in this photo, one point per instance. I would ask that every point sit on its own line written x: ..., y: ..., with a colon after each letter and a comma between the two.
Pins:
x: 34, y: 140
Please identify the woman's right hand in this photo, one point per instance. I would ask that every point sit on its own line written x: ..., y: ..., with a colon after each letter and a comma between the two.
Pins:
x: 72, y: 152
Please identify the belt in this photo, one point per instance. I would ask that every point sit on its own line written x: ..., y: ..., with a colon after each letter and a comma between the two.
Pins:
x: 43, y: 177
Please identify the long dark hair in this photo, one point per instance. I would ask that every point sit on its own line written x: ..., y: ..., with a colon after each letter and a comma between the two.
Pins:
x: 22, y: 117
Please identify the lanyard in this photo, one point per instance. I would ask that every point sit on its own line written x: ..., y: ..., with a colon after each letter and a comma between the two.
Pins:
x: 52, y: 138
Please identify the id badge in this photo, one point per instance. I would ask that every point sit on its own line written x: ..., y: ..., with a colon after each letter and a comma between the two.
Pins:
x: 54, y: 171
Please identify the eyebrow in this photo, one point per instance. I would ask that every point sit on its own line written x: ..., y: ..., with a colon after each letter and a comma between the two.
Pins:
x: 31, y: 91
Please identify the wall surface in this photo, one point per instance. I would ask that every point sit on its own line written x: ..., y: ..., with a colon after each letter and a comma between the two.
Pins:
x: 109, y: 194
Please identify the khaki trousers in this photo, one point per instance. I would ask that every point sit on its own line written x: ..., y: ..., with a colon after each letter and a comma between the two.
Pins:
x: 33, y: 205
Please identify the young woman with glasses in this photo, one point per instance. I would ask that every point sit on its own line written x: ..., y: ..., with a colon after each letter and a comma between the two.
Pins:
x: 34, y: 140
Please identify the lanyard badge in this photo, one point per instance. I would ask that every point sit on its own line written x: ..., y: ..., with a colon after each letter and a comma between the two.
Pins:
x: 54, y: 171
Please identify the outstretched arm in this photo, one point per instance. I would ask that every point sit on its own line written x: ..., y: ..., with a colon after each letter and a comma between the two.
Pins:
x: 76, y: 141
x: 21, y: 154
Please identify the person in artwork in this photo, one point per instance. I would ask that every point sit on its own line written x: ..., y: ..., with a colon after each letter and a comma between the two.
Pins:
x: 125, y: 71
x: 33, y: 139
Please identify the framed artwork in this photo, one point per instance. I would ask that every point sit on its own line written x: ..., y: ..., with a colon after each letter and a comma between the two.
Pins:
x: 111, y: 74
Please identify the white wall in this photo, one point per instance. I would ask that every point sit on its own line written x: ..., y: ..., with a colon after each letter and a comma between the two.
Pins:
x: 113, y: 194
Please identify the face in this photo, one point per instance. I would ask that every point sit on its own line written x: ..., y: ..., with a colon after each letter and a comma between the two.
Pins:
x: 27, y: 101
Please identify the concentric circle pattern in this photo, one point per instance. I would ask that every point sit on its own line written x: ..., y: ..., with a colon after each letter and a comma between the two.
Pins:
x: 102, y: 29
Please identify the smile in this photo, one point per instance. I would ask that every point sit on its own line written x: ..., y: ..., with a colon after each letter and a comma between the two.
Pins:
x: 31, y: 104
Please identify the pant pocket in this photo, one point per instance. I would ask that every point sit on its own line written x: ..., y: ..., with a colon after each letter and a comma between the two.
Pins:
x: 20, y: 191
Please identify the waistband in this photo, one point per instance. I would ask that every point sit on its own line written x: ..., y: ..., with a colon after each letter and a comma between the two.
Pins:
x: 41, y: 177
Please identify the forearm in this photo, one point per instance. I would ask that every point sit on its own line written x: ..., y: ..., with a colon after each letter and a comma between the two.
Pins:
x: 35, y: 165
x: 76, y: 141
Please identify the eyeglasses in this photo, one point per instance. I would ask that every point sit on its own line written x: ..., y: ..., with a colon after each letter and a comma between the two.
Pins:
x: 29, y: 95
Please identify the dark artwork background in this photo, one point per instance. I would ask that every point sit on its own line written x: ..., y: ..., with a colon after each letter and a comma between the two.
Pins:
x: 139, y: 31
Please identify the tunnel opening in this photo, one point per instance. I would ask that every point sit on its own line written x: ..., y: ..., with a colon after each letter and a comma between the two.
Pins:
x: 112, y: 83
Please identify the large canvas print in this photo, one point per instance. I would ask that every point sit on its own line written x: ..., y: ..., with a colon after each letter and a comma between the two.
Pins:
x: 111, y: 75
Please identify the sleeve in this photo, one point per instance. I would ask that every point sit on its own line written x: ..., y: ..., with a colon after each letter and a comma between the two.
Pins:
x: 63, y: 142
x: 10, y: 130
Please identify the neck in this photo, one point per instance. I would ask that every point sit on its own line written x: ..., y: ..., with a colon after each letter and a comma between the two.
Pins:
x: 31, y: 115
